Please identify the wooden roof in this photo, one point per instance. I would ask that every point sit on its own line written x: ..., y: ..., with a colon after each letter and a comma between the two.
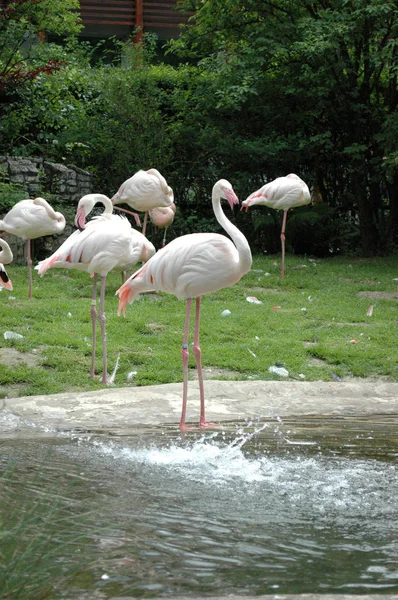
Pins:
x: 120, y: 17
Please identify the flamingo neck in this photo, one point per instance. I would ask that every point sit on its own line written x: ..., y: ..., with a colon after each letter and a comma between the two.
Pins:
x: 100, y: 199
x: 6, y: 255
x: 49, y: 209
x: 241, y: 243
x: 108, y: 206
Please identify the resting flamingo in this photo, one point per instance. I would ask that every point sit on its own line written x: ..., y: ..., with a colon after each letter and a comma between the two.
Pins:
x: 189, y: 267
x: 107, y: 242
x: 281, y: 193
x: 142, y: 192
x: 6, y: 257
x: 162, y: 217
x: 31, y: 219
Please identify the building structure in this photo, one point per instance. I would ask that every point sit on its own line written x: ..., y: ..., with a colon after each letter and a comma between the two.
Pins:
x: 120, y: 18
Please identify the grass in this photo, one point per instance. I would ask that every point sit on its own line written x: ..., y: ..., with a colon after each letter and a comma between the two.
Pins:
x: 320, y: 330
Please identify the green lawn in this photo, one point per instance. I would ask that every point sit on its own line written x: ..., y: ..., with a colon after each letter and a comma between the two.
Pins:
x: 320, y: 329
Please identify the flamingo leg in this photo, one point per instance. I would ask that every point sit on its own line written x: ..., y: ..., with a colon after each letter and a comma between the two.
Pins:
x: 130, y: 212
x: 164, y: 238
x: 145, y: 222
x: 198, y: 354
x: 94, y: 325
x: 102, y: 320
x: 185, y: 357
x: 29, y: 261
x: 283, y: 243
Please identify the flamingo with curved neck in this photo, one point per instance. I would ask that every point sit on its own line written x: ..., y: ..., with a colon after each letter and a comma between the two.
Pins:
x: 162, y: 217
x: 142, y: 192
x: 105, y: 243
x: 6, y: 257
x: 282, y: 193
x: 189, y: 267
x: 30, y: 219
x: 86, y: 205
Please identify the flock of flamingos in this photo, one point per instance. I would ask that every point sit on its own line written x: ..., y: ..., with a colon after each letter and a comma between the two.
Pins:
x: 188, y: 267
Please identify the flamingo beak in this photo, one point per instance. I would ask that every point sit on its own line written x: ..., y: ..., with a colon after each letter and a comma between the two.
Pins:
x: 5, y: 282
x: 80, y: 220
x: 232, y: 198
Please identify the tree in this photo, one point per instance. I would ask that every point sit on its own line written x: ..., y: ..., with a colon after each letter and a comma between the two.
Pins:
x: 318, y: 80
x: 22, y: 24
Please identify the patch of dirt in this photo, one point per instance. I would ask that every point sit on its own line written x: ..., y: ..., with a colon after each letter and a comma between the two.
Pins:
x: 214, y: 373
x: 317, y: 362
x: 378, y: 295
x: 13, y: 390
x: 156, y: 326
x: 13, y: 357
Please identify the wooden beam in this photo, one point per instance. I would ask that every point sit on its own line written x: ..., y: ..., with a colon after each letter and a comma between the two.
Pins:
x: 139, y: 20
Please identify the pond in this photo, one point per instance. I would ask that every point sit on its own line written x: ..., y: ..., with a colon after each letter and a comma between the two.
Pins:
x: 299, y: 505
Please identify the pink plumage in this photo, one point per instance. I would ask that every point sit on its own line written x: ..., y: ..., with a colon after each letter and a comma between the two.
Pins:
x: 107, y: 242
x: 6, y: 258
x: 189, y: 267
x: 31, y: 219
x: 163, y: 217
x: 144, y: 191
x: 282, y: 193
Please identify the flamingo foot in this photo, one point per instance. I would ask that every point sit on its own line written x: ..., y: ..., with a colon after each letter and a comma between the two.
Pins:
x: 184, y: 428
x: 206, y: 424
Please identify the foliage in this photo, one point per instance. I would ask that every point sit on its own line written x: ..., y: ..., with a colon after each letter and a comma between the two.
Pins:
x: 321, y: 80
x: 10, y: 194
x: 265, y: 89
x: 22, y: 24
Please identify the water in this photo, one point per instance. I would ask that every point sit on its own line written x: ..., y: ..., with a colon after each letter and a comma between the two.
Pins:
x: 279, y: 506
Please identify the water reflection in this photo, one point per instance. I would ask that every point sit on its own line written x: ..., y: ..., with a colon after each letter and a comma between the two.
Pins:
x: 287, y: 506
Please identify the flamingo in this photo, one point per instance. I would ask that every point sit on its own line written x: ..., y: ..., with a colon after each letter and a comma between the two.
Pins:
x: 189, y: 267
x: 162, y: 217
x: 107, y: 242
x: 6, y: 257
x: 142, y: 192
x: 30, y: 219
x: 281, y: 193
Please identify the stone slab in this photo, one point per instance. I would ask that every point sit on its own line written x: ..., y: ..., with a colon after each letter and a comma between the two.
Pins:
x: 118, y: 408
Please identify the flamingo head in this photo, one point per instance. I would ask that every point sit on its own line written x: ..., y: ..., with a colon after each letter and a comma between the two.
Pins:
x: 86, y: 205
x: 80, y: 219
x: 5, y: 282
x: 255, y: 198
x: 228, y: 193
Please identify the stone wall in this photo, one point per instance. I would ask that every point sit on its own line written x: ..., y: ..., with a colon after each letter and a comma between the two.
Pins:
x: 40, y: 177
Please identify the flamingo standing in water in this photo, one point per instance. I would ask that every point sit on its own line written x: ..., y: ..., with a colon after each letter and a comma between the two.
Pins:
x: 189, y: 267
x: 6, y: 257
x: 31, y: 219
x: 142, y: 192
x: 162, y: 217
x: 281, y: 193
x: 106, y: 242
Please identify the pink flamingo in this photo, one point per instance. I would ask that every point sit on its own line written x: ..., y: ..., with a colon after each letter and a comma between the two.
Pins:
x: 31, y: 219
x: 6, y: 257
x: 142, y: 192
x: 162, y: 217
x: 189, y: 267
x: 107, y: 242
x: 281, y: 193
